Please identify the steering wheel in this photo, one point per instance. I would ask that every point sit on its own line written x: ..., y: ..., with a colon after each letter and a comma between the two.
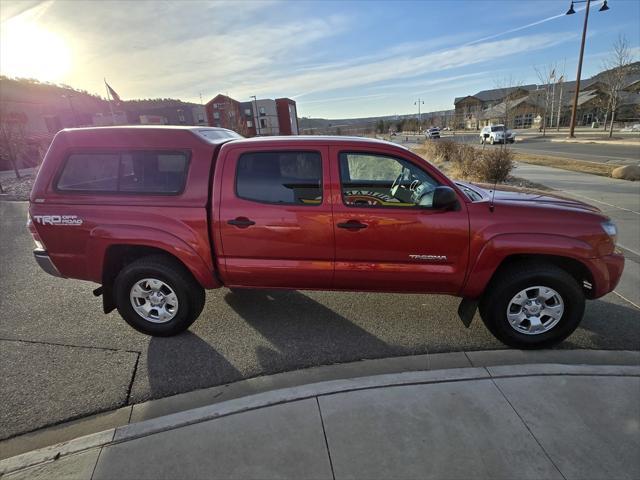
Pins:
x: 396, y: 184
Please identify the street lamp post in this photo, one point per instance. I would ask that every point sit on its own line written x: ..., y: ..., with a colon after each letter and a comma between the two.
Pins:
x: 419, y: 102
x: 571, y: 11
x: 73, y: 111
x: 255, y: 110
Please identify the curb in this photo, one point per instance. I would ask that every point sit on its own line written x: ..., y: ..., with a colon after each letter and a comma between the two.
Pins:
x: 286, y: 395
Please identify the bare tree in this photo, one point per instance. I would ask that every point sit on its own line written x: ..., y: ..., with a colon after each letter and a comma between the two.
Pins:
x: 616, y: 70
x: 12, y: 138
x: 506, y: 87
x: 547, y: 77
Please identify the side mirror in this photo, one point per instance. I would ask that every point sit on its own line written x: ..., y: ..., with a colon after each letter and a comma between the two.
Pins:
x: 444, y: 198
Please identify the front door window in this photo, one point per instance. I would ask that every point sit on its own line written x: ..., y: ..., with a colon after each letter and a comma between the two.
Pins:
x: 378, y: 181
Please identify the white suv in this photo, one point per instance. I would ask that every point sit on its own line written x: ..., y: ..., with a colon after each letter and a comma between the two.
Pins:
x: 496, y: 134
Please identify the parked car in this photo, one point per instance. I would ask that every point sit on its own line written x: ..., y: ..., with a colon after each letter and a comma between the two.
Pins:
x: 432, y: 133
x: 631, y: 128
x: 156, y: 215
x: 496, y: 134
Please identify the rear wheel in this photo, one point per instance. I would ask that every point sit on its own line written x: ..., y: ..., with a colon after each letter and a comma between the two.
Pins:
x: 158, y: 296
x: 532, y: 306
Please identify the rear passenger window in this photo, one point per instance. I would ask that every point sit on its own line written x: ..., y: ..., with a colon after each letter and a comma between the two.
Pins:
x: 293, y: 178
x: 149, y: 172
x: 96, y: 172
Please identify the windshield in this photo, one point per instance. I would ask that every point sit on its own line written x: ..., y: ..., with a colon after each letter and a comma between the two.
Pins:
x: 471, y: 194
x: 498, y: 128
x: 218, y: 134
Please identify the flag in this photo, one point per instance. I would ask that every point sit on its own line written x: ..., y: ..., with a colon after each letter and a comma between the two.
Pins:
x: 561, y: 79
x: 553, y: 73
x: 112, y: 92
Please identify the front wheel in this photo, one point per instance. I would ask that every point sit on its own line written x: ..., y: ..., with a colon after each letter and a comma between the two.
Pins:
x: 532, y: 306
x: 158, y: 296
x: 492, y: 141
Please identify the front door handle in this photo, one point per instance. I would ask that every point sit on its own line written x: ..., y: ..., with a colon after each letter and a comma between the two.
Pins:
x: 352, y: 225
x: 241, y: 222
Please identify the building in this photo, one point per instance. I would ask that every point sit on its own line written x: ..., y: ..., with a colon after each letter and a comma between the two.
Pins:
x: 255, y: 117
x: 525, y: 106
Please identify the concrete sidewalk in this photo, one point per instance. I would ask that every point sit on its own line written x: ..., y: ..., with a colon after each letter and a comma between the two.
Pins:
x: 520, y: 421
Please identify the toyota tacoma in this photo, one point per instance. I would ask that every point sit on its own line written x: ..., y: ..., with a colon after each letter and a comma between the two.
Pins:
x: 156, y: 215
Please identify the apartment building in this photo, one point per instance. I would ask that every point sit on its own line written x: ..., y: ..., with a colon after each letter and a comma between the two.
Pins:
x: 257, y: 117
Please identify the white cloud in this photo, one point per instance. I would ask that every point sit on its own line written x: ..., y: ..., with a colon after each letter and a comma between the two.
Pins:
x: 359, y: 74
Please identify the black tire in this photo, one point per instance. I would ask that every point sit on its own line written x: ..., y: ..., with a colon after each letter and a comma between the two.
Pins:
x: 515, y: 278
x: 190, y: 294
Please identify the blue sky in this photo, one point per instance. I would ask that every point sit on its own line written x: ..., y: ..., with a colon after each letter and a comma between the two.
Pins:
x: 336, y: 59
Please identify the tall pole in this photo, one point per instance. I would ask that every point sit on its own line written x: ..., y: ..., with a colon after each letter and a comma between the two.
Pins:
x: 420, y: 101
x: 553, y: 100
x: 574, y: 109
x: 73, y: 110
x: 255, y: 109
x: 559, y: 106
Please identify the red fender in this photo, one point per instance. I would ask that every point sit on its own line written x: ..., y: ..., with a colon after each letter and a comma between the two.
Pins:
x: 101, y: 238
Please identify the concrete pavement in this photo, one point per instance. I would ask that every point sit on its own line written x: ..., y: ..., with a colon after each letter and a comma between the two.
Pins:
x: 619, y: 199
x: 548, y: 420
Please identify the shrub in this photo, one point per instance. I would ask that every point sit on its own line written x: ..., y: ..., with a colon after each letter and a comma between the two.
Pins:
x: 495, y: 165
x: 445, y: 150
x: 482, y: 165
x: 465, y: 162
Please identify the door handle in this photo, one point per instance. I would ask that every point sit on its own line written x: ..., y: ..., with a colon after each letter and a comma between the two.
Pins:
x: 241, y: 222
x: 352, y: 225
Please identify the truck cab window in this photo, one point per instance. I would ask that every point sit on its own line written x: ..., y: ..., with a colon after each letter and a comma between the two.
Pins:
x: 293, y: 178
x: 372, y: 180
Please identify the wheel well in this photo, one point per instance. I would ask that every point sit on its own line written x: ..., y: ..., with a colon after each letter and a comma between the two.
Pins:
x: 116, y: 258
x: 572, y: 266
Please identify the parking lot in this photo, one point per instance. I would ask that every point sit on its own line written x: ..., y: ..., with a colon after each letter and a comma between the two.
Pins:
x: 61, y: 358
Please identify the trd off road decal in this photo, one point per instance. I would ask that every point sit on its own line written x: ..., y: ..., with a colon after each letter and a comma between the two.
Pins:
x: 57, y: 219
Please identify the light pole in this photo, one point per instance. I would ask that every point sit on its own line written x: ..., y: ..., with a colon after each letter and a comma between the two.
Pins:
x: 255, y: 110
x: 73, y: 110
x: 419, y: 102
x: 571, y: 11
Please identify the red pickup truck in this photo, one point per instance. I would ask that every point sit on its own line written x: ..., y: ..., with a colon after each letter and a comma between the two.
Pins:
x: 156, y: 215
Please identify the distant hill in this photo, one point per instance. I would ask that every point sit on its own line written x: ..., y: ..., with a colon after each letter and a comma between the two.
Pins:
x: 307, y: 123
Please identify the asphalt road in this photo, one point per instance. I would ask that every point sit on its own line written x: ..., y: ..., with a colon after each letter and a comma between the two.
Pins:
x: 591, y: 152
x: 61, y: 358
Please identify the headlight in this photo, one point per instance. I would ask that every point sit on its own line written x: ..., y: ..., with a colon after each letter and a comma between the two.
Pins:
x: 610, y: 229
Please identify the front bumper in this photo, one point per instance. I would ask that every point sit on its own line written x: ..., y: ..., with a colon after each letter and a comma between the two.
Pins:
x: 43, y: 259
x: 606, y: 273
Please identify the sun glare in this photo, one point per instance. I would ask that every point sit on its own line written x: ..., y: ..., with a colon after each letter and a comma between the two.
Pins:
x: 29, y: 50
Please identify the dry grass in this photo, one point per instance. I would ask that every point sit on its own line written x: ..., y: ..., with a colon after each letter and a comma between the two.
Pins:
x: 581, y: 166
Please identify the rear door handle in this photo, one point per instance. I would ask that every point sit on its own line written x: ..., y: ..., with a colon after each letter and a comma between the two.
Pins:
x: 241, y: 222
x: 352, y: 225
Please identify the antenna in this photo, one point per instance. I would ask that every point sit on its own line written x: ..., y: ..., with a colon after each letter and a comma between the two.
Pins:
x: 492, y: 206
